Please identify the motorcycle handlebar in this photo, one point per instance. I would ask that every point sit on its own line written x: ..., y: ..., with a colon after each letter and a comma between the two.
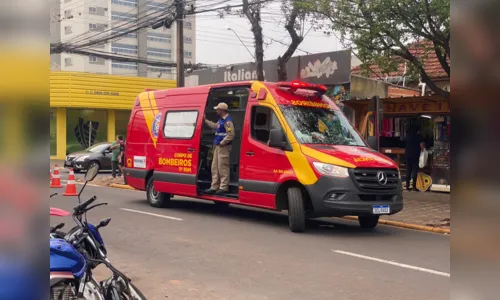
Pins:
x: 84, y: 205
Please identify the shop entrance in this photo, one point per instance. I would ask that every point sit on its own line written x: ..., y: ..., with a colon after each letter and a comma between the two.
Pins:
x: 389, y: 135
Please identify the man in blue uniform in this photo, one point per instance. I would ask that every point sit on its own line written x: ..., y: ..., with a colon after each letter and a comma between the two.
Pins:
x: 224, y: 134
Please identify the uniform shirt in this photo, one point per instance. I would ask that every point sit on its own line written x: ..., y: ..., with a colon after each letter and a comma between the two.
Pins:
x: 115, y: 152
x: 224, y: 130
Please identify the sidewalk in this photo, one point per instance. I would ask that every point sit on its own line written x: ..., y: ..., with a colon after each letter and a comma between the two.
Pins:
x: 424, y: 208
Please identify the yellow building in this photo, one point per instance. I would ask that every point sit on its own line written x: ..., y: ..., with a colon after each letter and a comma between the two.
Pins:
x: 90, y: 108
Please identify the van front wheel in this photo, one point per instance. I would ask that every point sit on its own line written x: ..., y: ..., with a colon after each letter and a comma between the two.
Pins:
x: 296, y: 213
x: 155, y: 198
x: 368, y: 222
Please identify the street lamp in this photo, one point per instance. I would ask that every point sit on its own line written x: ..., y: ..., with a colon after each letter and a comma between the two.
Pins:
x: 229, y: 28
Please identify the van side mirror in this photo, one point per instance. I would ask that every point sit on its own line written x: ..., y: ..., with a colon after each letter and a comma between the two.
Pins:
x: 277, y: 139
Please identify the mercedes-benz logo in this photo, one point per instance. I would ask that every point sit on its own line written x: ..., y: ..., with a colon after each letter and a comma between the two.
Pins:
x: 381, y: 178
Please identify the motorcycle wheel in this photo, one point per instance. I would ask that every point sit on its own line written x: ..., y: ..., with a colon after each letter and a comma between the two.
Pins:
x: 114, y: 294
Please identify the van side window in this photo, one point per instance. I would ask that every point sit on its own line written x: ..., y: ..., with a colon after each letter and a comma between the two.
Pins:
x: 263, y: 120
x: 180, y: 124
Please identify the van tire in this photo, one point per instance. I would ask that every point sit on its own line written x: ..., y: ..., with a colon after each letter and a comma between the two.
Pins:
x: 296, y: 212
x: 368, y: 222
x: 155, y: 198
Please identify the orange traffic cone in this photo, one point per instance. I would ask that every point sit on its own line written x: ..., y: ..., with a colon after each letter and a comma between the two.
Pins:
x: 56, y: 179
x: 71, y: 186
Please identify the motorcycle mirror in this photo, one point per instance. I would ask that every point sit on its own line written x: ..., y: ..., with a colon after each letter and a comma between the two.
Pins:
x: 92, y: 172
x: 104, y: 223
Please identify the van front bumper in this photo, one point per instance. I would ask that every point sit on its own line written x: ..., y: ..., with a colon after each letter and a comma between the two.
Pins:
x: 338, y: 197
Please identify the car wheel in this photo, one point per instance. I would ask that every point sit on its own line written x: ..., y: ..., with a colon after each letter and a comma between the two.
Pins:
x: 296, y: 213
x: 94, y: 163
x: 368, y: 222
x: 156, y: 198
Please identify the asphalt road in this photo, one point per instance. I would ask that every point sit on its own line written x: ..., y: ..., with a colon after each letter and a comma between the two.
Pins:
x: 197, y: 251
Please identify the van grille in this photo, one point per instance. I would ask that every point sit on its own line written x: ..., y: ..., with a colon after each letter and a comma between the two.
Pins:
x: 368, y: 179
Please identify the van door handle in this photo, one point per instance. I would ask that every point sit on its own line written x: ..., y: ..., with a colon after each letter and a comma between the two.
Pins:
x: 191, y: 149
x: 250, y: 153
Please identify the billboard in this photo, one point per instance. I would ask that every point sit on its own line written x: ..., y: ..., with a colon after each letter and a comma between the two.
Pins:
x: 330, y: 68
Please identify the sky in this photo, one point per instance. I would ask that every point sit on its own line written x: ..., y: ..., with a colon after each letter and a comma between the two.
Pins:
x: 215, y: 44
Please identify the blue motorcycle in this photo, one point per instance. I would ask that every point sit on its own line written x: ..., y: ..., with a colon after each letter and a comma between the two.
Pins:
x: 75, y: 254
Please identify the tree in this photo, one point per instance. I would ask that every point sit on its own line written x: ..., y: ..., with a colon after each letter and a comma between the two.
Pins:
x: 252, y: 13
x: 382, y: 30
x: 293, y: 13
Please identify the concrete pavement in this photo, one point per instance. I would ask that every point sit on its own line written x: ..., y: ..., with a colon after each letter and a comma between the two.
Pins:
x: 196, y: 251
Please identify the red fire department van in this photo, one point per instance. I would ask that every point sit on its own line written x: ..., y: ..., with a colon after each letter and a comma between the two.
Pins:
x: 293, y: 150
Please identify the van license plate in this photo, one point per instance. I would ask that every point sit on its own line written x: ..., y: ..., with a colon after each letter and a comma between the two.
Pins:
x: 381, y: 209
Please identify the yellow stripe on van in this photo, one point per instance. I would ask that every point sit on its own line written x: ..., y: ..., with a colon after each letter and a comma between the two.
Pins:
x: 150, y: 110
x: 325, y: 158
x: 298, y: 161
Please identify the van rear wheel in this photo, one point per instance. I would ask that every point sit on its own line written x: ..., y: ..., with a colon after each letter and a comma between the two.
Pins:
x: 368, y: 222
x: 296, y: 212
x: 156, y: 198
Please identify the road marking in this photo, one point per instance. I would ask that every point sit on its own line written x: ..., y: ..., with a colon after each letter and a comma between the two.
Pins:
x: 152, y: 214
x: 393, y: 263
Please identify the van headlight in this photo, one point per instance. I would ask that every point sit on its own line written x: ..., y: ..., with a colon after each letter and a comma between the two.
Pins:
x: 82, y: 158
x: 331, y: 170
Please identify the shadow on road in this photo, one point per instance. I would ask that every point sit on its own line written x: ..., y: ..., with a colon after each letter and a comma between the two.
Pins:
x: 321, y: 226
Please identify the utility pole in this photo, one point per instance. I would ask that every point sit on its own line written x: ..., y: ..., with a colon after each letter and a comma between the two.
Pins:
x: 180, y: 42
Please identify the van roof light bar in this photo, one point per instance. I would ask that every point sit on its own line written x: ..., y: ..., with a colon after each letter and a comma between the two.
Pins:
x: 296, y: 84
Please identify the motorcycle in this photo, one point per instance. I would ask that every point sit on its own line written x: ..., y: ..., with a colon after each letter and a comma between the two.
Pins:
x: 75, y: 254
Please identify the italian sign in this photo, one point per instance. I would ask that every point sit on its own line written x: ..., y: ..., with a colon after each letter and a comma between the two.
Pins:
x: 329, y: 68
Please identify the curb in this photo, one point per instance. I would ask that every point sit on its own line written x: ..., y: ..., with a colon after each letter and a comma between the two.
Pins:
x: 121, y: 186
x: 408, y: 225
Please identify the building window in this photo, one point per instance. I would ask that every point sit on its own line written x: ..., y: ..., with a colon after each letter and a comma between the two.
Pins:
x: 93, y: 26
x: 131, y: 35
x: 188, y: 54
x: 124, y: 65
x: 68, y: 62
x: 123, y: 48
x: 92, y: 10
x: 85, y: 127
x: 67, y: 30
x: 180, y: 124
x: 158, y: 37
x: 131, y: 3
x: 92, y: 59
x: 156, y: 6
x: 188, y: 40
x: 159, y: 52
x: 188, y: 25
x: 123, y: 16
x: 160, y: 70
x: 67, y: 14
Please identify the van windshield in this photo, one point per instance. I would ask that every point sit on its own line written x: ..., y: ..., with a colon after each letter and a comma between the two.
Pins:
x: 313, y: 125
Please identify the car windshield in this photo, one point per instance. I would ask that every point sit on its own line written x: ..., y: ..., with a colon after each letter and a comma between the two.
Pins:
x: 313, y: 125
x: 98, y: 148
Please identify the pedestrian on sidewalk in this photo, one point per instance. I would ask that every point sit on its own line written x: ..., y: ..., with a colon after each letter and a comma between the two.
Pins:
x: 412, y: 155
x: 115, y: 153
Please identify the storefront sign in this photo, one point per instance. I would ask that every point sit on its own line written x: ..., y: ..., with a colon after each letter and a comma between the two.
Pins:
x: 320, y: 68
x: 417, y: 107
x: 102, y: 93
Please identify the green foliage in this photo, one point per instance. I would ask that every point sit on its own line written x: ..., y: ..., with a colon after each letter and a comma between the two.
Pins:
x: 380, y: 30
